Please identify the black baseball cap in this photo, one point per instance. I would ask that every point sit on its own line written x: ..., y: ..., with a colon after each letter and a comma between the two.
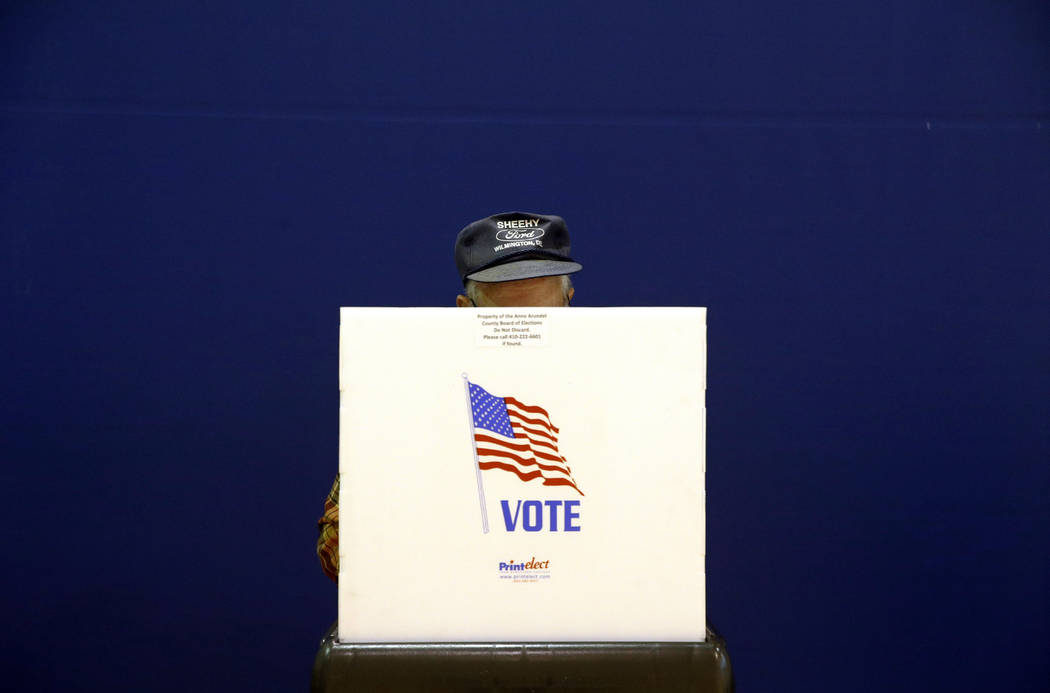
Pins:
x: 514, y: 245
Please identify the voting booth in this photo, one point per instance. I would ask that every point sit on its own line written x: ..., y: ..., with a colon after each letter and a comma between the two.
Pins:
x: 523, y: 477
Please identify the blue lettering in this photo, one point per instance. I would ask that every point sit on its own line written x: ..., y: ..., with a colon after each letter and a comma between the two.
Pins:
x: 553, y: 505
x: 570, y: 516
x: 510, y: 522
x: 533, y: 520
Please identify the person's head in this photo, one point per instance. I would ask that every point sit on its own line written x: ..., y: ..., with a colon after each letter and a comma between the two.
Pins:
x: 515, y: 259
x: 538, y: 291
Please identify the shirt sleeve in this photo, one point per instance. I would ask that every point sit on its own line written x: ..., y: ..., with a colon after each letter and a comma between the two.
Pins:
x: 328, y: 539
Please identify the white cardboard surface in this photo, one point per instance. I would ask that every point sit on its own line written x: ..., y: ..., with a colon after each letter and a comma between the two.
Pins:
x: 626, y: 389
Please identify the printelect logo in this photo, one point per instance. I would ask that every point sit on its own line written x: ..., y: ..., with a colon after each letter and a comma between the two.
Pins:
x: 527, y: 565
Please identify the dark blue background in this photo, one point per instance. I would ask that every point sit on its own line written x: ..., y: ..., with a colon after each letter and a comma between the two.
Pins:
x: 858, y: 191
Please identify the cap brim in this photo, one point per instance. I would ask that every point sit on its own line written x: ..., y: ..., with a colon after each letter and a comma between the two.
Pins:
x: 525, y: 269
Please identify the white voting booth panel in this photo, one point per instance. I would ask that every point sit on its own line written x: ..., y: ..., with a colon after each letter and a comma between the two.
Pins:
x: 522, y: 474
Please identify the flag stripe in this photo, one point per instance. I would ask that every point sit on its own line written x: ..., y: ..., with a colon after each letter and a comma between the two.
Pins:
x: 507, y: 446
x: 526, y: 407
x: 523, y: 447
x: 523, y: 468
x: 543, y: 443
x: 530, y: 475
x: 559, y: 462
x: 482, y: 438
x: 524, y: 476
x: 534, y: 412
x: 520, y: 432
x: 548, y: 456
x: 562, y: 482
x: 515, y: 425
x: 535, y: 422
x: 522, y: 460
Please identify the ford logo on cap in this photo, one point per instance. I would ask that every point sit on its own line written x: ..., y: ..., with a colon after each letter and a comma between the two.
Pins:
x: 519, y: 234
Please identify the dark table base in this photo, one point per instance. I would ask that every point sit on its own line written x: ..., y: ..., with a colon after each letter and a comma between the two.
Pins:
x: 521, y: 667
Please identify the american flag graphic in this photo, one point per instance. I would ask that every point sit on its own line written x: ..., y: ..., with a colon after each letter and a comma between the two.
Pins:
x: 517, y: 438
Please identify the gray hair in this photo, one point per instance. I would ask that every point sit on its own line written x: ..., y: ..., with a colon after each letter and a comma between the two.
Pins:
x: 474, y: 291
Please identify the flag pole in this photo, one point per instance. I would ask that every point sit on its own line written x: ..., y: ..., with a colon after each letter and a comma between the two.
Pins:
x: 477, y: 466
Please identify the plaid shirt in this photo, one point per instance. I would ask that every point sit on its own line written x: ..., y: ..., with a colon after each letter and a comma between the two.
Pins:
x: 328, y: 541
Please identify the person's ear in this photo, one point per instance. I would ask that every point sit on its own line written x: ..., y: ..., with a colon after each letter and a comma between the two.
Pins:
x: 463, y: 302
x: 569, y: 293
